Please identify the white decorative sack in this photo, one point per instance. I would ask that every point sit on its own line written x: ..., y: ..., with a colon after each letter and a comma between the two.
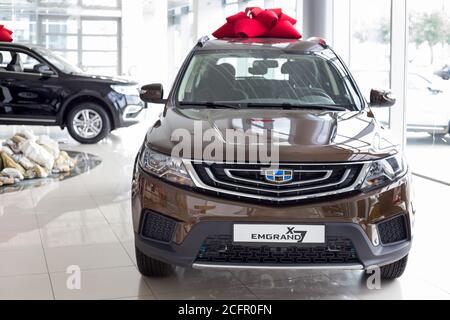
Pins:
x: 38, y: 154
x: 50, y: 144
x: 27, y: 134
x: 13, y: 174
x: 26, y: 163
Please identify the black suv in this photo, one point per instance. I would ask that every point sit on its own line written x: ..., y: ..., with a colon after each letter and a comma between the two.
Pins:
x: 38, y: 87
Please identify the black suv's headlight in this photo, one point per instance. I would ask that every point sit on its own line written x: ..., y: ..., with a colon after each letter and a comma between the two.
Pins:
x: 126, y: 89
x: 165, y: 167
x: 382, y: 172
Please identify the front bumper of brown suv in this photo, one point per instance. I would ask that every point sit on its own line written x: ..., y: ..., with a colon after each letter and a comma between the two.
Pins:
x: 192, y: 228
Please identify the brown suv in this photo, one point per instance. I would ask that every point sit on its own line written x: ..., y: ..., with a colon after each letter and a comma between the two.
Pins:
x: 332, y: 193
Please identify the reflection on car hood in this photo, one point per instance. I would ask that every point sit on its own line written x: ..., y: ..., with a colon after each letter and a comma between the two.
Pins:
x: 302, y: 135
x: 112, y: 80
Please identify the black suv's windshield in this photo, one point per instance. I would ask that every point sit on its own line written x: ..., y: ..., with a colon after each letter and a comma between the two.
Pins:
x: 58, y: 61
x: 255, y: 79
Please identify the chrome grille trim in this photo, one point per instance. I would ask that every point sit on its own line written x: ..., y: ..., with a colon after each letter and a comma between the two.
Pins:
x: 206, y: 266
x: 345, y: 177
x: 355, y: 186
x: 327, y: 173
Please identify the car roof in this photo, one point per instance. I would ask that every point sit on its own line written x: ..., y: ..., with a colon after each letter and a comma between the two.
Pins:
x: 294, y: 45
x: 17, y: 46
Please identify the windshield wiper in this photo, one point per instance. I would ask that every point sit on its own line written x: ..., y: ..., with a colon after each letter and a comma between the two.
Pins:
x: 211, y: 105
x: 288, y: 106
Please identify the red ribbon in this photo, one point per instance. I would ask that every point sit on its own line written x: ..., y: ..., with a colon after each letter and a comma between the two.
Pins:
x: 5, y: 34
x: 258, y: 23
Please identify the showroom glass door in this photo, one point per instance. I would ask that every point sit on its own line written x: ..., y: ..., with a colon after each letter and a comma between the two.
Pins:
x: 428, y: 89
x: 100, y: 45
x: 370, y: 48
x: 60, y: 34
x: 92, y: 44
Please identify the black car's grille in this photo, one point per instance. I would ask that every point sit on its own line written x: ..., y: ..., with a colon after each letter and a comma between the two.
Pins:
x: 157, y: 227
x: 222, y: 250
x: 307, y: 181
x: 394, y: 230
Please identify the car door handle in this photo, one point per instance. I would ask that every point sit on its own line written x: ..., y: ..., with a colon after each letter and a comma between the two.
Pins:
x: 8, y: 82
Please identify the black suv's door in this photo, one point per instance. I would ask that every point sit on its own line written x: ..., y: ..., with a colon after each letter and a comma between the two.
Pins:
x: 29, y: 89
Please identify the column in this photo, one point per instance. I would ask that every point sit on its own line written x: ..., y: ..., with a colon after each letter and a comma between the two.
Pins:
x: 318, y: 19
x: 399, y: 68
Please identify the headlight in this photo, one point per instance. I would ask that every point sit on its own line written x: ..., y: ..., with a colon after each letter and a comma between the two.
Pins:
x: 383, y: 172
x: 165, y: 167
x: 128, y: 90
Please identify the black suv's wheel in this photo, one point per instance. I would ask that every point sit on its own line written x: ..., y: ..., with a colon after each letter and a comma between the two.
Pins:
x: 88, y: 123
x: 149, y: 267
x: 395, y: 270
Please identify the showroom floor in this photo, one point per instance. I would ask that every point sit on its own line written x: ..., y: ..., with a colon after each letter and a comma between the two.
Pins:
x: 86, y: 221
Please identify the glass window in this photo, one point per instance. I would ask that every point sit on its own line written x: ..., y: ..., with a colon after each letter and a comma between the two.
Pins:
x: 58, y: 61
x: 101, y: 3
x: 95, y: 43
x: 99, y: 27
x: 5, y: 59
x: 100, y: 59
x: 29, y: 63
x: 259, y: 78
x: 70, y: 28
x: 18, y: 62
x: 428, y: 95
x: 370, y: 48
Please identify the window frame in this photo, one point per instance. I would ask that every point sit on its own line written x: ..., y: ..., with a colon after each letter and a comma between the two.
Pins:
x: 36, y: 57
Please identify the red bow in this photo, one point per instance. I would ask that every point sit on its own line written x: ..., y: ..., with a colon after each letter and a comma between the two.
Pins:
x: 5, y: 34
x: 256, y: 22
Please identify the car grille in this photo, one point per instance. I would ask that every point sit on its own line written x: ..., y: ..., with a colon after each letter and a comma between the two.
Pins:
x: 157, y: 227
x: 394, y: 230
x: 221, y: 250
x: 308, y: 181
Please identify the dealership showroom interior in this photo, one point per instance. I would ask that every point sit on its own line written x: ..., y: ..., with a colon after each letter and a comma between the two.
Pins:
x: 224, y: 149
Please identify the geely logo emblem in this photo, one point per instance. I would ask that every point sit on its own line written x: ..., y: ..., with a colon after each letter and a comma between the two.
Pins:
x: 279, y: 176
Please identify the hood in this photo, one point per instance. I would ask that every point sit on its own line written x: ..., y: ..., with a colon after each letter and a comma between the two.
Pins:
x: 105, y: 79
x: 302, y: 135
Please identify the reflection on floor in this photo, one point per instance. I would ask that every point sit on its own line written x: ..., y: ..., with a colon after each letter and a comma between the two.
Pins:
x: 85, y: 163
x: 86, y: 221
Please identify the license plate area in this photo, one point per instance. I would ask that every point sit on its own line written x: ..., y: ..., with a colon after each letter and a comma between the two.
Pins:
x: 278, y: 234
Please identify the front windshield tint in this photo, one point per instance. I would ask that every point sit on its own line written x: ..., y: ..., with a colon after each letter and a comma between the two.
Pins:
x: 58, y: 61
x: 266, y: 79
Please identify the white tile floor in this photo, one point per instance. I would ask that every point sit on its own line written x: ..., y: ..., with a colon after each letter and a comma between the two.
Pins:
x: 86, y: 221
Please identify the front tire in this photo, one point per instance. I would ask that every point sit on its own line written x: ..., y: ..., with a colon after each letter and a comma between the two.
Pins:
x: 395, y: 270
x: 150, y: 267
x: 88, y: 123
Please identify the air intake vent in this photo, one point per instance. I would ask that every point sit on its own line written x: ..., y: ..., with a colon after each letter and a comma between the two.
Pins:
x: 157, y: 227
x: 393, y: 230
x: 222, y: 250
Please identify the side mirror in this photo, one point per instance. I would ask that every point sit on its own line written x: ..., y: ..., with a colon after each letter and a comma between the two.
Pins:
x: 434, y: 91
x: 382, y: 99
x: 44, y: 70
x: 153, y: 93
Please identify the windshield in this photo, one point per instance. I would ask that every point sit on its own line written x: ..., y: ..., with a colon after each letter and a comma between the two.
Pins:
x: 256, y: 78
x: 58, y: 61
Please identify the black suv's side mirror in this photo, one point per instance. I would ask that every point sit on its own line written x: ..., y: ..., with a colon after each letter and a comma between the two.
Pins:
x: 44, y: 70
x: 382, y: 99
x: 153, y: 93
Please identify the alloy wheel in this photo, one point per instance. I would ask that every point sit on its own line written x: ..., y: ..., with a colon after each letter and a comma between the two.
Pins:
x: 87, y: 123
